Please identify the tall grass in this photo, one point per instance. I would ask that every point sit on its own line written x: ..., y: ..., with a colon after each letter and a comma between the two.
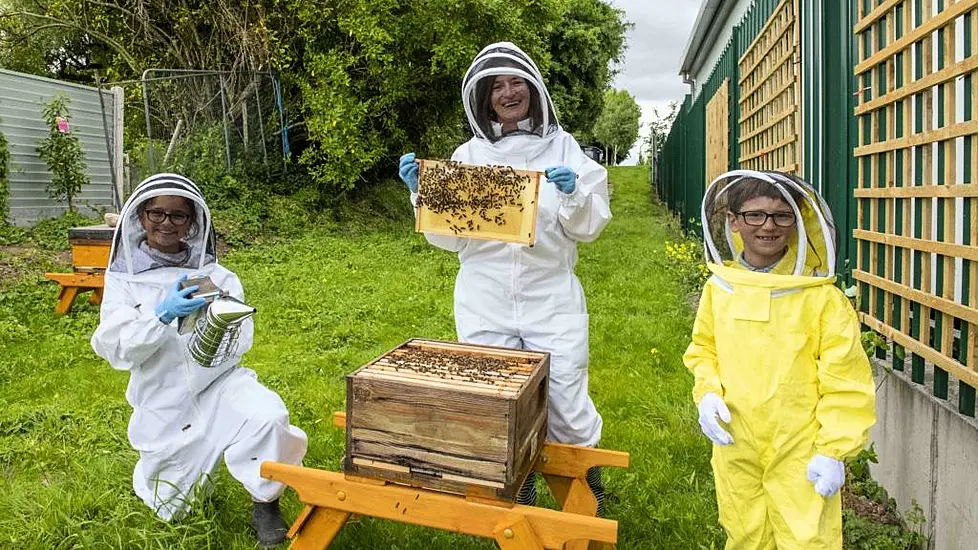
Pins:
x: 328, y: 301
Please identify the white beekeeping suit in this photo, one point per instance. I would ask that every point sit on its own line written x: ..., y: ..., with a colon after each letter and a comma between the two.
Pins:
x: 185, y: 417
x: 528, y: 297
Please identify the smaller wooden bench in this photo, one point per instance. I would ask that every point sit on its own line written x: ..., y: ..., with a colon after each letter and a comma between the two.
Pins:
x: 90, y: 248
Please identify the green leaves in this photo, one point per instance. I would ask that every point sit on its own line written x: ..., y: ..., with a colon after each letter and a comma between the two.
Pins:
x: 617, y: 127
x: 62, y: 152
x: 363, y: 80
x: 4, y: 177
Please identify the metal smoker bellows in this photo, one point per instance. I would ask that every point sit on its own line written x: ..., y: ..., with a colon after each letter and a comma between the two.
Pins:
x: 215, y: 336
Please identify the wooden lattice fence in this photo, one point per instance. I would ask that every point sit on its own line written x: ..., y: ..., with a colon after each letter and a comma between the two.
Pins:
x: 718, y: 133
x: 769, y: 94
x: 917, y: 200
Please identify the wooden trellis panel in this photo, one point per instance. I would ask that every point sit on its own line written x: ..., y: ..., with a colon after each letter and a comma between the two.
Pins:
x: 917, y: 196
x: 769, y: 94
x: 718, y: 133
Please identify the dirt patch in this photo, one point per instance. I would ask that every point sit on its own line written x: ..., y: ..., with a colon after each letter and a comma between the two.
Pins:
x: 869, y: 509
x: 19, y: 261
x: 222, y: 247
x: 7, y: 271
x: 15, y: 250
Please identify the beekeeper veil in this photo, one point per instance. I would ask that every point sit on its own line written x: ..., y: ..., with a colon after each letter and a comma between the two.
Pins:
x: 811, y: 253
x: 504, y: 58
x: 126, y: 257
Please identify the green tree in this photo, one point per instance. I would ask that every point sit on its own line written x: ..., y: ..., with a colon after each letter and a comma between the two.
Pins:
x: 62, y: 152
x: 362, y: 80
x: 585, y: 51
x: 617, y: 127
x: 659, y: 130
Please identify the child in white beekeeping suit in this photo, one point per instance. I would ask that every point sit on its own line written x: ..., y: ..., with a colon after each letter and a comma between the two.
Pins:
x: 784, y: 388
x: 185, y: 417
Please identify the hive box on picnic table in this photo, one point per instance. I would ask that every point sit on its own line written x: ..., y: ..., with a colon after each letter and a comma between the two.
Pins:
x: 90, y: 247
x: 446, y: 416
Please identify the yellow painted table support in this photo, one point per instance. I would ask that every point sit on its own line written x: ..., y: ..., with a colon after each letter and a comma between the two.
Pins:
x: 70, y: 284
x: 330, y: 499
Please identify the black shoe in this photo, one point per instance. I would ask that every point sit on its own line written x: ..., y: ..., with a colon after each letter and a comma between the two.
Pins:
x: 270, y: 528
x: 597, y: 487
x: 528, y: 491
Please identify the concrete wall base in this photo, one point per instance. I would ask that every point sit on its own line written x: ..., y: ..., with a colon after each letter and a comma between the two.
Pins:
x: 928, y: 453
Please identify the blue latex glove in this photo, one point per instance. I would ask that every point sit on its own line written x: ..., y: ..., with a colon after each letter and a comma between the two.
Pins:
x: 409, y: 172
x: 177, y: 304
x: 563, y: 177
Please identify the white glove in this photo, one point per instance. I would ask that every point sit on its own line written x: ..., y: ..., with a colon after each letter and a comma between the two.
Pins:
x: 712, y: 406
x: 827, y: 474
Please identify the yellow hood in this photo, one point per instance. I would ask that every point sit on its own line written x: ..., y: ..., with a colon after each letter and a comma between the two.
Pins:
x: 732, y: 273
x: 810, y: 256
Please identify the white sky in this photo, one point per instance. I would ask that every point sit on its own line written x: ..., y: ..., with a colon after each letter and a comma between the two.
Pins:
x: 655, y: 49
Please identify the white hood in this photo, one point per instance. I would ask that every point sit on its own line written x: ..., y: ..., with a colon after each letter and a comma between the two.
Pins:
x: 129, y: 232
x: 504, y: 58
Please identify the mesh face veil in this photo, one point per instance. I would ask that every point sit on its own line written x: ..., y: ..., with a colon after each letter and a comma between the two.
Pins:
x: 813, y: 251
x: 201, y: 240
x: 501, y: 59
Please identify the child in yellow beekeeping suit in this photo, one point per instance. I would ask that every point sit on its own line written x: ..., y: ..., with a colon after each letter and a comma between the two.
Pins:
x: 776, y: 357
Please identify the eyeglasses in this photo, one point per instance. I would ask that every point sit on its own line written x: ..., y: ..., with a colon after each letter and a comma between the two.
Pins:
x: 758, y: 218
x: 159, y: 216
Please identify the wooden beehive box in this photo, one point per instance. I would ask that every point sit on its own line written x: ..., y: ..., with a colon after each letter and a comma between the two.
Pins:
x: 90, y: 247
x: 451, y: 417
x: 478, y: 202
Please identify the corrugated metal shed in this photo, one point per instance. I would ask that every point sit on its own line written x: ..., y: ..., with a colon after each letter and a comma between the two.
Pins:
x: 22, y: 97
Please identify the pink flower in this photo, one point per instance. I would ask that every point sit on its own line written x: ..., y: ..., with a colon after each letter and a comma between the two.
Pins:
x: 63, y: 125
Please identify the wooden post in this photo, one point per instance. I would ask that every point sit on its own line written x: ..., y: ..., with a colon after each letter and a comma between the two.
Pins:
x: 244, y: 122
x: 315, y: 528
x: 173, y: 142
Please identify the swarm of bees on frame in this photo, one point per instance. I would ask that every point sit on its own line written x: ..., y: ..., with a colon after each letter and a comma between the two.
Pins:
x: 469, y: 368
x: 469, y: 196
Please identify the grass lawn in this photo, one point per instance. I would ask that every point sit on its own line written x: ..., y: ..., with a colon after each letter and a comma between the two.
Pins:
x: 329, y: 301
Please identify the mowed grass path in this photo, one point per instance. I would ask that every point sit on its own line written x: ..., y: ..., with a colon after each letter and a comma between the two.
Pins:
x: 328, y: 302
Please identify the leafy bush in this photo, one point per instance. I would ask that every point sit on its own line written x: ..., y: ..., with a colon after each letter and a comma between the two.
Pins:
x: 362, y: 81
x: 684, y: 259
x: 870, y: 520
x: 48, y: 234
x: 4, y: 178
x: 865, y: 534
x: 62, y: 152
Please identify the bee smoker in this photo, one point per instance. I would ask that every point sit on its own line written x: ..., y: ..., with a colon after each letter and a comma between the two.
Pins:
x: 215, y: 325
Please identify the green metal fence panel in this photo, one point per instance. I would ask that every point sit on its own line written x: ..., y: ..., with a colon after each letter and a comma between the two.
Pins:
x: 683, y: 160
x: 695, y: 180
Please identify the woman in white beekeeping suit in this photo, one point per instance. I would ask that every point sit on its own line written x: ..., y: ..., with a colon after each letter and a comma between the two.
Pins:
x: 528, y: 297
x: 186, y: 417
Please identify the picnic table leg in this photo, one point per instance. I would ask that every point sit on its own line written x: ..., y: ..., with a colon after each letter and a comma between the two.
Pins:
x: 66, y: 297
x: 517, y: 536
x: 574, y: 496
x: 316, y: 527
x: 96, y: 297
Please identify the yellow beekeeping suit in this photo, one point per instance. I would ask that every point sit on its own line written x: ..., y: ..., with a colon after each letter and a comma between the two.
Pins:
x: 783, y: 351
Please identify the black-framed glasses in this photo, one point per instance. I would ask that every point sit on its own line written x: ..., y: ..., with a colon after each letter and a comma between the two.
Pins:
x: 758, y: 218
x: 159, y: 216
